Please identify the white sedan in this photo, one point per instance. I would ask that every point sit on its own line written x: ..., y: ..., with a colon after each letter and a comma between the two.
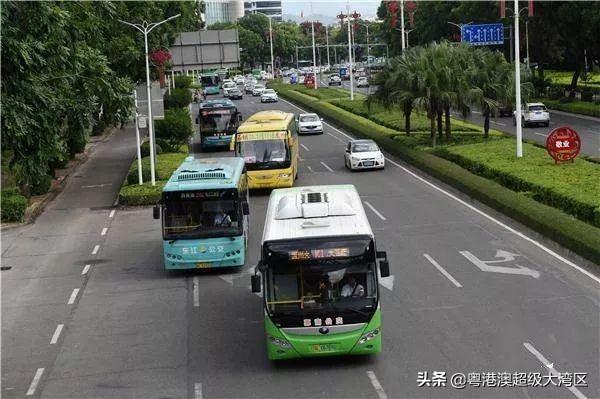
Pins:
x: 268, y: 96
x: 257, y: 90
x: 228, y: 86
x: 363, y: 154
x: 310, y: 123
x: 532, y: 114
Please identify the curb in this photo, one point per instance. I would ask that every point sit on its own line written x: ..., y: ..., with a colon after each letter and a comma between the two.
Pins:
x: 34, y: 210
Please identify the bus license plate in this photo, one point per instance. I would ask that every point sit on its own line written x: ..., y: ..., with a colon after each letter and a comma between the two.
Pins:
x: 325, y: 347
x: 202, y: 265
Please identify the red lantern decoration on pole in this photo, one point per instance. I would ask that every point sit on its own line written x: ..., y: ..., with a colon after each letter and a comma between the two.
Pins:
x: 160, y: 58
x: 411, y: 8
x: 392, y: 9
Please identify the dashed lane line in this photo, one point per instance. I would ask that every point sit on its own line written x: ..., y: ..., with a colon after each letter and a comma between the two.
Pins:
x: 85, y: 270
x: 56, y: 334
x: 326, y: 166
x: 550, y: 366
x: 196, y: 292
x: 443, y: 271
x: 111, y: 214
x: 305, y: 147
x: 73, y: 296
x: 476, y: 210
x: 95, y: 250
x: 375, y: 211
x: 104, y: 230
x: 310, y: 169
x: 197, y: 390
x: 375, y: 382
x: 36, y: 380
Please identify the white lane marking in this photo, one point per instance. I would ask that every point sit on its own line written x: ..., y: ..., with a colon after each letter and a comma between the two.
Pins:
x: 95, y: 250
x: 387, y: 282
x: 375, y: 211
x: 97, y: 185
x: 35, y: 381
x: 442, y: 270
x: 86, y: 269
x: 310, y: 169
x: 112, y: 213
x: 375, y: 382
x: 326, y: 166
x: 498, y: 123
x: 550, y: 367
x: 541, y: 134
x: 305, y: 147
x: 474, y: 209
x: 197, y: 390
x: 196, y: 292
x: 104, y: 230
x: 73, y: 296
x: 56, y: 334
x: 485, y: 266
x: 335, y: 137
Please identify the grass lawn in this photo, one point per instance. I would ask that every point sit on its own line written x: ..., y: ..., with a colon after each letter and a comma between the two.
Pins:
x: 576, y: 107
x: 565, y: 77
x: 322, y: 93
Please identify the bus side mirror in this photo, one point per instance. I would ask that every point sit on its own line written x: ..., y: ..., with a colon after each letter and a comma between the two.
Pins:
x: 381, y: 255
x: 232, y: 144
x: 240, y: 118
x: 384, y: 268
x: 245, y: 208
x: 255, y: 281
x: 156, y: 212
x: 197, y: 120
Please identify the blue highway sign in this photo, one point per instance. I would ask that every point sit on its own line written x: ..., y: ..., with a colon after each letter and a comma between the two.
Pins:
x: 482, y: 35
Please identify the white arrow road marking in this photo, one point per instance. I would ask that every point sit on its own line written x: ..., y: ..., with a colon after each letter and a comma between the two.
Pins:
x: 234, y: 276
x: 551, y: 369
x: 483, y: 266
x: 504, y: 256
x: 387, y: 282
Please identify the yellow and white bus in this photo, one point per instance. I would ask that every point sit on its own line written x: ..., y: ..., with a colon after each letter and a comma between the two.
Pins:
x: 268, y: 143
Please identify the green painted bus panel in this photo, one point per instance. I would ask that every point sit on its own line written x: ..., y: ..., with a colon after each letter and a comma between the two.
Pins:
x: 282, y: 345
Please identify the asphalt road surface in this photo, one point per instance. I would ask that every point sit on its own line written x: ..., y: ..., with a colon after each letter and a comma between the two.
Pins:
x: 123, y: 327
x: 587, y: 127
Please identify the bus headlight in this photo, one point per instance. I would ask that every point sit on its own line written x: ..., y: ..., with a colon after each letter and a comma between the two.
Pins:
x: 280, y: 342
x: 284, y: 175
x: 368, y: 336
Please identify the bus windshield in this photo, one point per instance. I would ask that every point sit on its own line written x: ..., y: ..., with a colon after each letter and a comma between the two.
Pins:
x: 201, y: 214
x: 218, y: 120
x: 264, y: 154
x: 209, y: 80
x: 318, y: 278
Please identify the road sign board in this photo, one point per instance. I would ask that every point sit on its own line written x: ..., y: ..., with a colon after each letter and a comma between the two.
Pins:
x: 563, y: 144
x: 483, y: 34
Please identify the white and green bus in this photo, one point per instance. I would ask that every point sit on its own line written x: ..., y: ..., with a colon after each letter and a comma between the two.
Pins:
x: 318, y: 274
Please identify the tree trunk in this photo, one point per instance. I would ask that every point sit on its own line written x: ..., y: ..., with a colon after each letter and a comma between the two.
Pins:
x: 439, y: 123
x: 407, y: 112
x: 432, y: 127
x: 573, y: 86
x: 486, y: 123
x: 448, y: 123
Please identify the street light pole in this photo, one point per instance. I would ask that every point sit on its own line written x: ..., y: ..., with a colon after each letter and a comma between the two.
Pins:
x: 402, y: 25
x: 137, y: 138
x: 518, y: 84
x: 350, y: 53
x: 312, y: 23
x: 271, y: 40
x: 327, y: 43
x: 146, y: 28
x: 527, y: 42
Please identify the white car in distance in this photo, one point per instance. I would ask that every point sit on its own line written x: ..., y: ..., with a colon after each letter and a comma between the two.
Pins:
x: 268, y: 96
x: 257, y: 90
x: 310, y: 123
x: 533, y: 114
x: 363, y: 154
x: 228, y: 86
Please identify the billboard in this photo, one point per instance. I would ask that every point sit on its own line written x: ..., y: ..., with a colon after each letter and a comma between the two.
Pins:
x: 205, y: 50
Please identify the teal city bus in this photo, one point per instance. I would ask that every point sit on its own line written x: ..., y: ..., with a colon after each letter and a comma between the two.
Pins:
x: 218, y: 120
x: 204, y: 213
x: 319, y: 274
x: 210, y: 82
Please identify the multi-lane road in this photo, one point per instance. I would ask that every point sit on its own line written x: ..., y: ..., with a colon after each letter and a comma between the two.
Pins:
x: 89, y: 312
x: 587, y: 127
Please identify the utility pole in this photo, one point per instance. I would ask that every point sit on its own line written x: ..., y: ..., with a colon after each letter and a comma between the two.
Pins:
x: 350, y: 53
x: 312, y: 23
x: 518, y: 84
x: 271, y: 40
x: 146, y: 28
x: 137, y: 138
x: 402, y: 25
x: 327, y: 42
x: 527, y: 43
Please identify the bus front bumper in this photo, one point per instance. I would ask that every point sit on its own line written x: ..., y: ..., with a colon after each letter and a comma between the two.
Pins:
x: 212, y: 142
x: 204, y: 253
x: 281, y: 345
x: 282, y: 178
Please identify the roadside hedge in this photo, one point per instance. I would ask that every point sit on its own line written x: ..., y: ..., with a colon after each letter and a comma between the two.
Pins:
x: 573, y: 234
x: 573, y: 188
x: 146, y: 194
x: 166, y: 164
x: 183, y: 81
x: 145, y: 149
x: 13, y: 205
x: 175, y: 129
x: 575, y: 106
